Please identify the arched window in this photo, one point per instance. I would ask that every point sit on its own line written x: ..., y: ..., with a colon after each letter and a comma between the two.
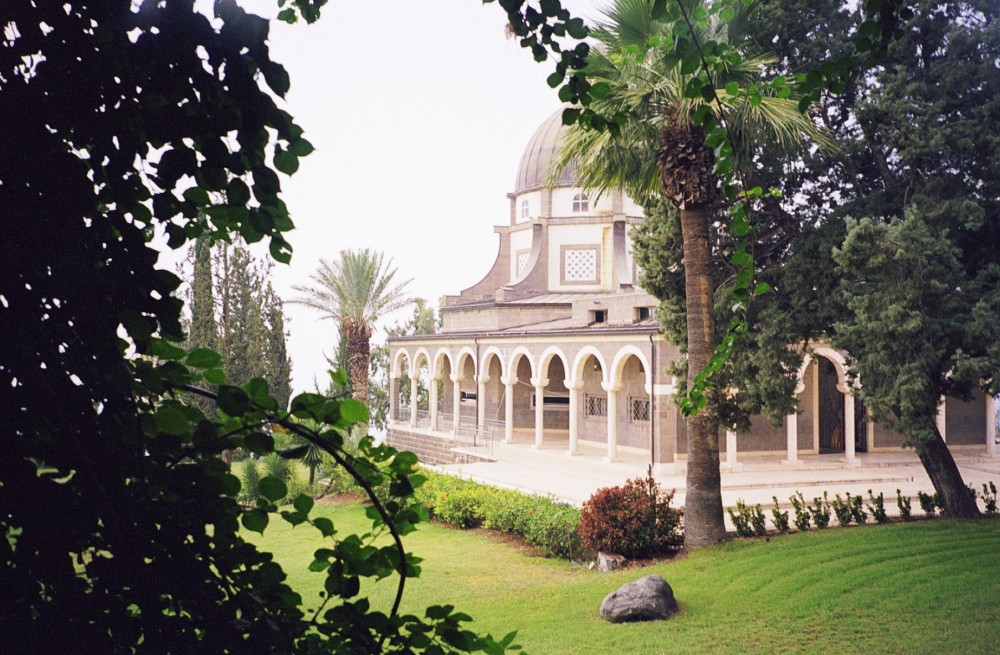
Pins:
x: 524, y: 208
x: 581, y: 203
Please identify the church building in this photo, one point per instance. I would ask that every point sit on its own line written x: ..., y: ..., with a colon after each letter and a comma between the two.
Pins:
x: 557, y: 347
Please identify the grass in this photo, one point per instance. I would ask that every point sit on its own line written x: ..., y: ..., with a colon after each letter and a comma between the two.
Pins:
x: 924, y: 587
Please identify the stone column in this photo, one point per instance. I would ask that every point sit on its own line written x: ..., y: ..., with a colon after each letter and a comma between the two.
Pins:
x: 575, y: 391
x: 940, y: 420
x: 849, y: 454
x: 508, y: 408
x: 731, y: 463
x: 612, y: 391
x: 414, y: 383
x: 393, y: 399
x: 539, y: 384
x: 456, y: 401
x: 792, y: 432
x: 433, y: 408
x: 481, y: 402
x: 991, y: 426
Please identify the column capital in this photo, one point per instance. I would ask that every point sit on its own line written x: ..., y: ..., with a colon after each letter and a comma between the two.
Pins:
x: 508, y: 380
x: 539, y: 382
x: 573, y: 385
x: 611, y: 386
x: 456, y: 377
x: 482, y: 379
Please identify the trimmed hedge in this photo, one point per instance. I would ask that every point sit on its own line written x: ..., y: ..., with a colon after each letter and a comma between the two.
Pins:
x: 634, y: 520
x: 547, y: 525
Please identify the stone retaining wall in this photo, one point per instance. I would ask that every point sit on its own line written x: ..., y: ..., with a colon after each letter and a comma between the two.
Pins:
x: 431, y: 449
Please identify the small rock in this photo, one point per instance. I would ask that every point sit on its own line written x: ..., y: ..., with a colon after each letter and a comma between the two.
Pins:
x: 647, y: 599
x: 592, y: 565
x: 609, y: 562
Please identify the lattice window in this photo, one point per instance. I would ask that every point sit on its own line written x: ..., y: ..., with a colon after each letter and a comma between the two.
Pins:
x: 638, y: 409
x: 525, y: 208
x: 580, y: 265
x: 522, y: 262
x: 595, y: 406
x: 581, y: 203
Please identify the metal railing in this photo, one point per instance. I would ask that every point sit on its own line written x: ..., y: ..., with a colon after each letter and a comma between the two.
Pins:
x: 423, y: 418
x: 403, y: 413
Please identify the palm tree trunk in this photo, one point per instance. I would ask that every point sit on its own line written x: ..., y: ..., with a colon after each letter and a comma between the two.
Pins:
x: 703, y: 518
x: 358, y: 359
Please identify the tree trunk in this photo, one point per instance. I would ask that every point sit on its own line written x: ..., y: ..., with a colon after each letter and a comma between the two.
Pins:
x: 703, y: 518
x: 358, y: 359
x: 956, y: 501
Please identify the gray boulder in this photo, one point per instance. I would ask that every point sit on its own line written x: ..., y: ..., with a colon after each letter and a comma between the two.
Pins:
x: 647, y: 599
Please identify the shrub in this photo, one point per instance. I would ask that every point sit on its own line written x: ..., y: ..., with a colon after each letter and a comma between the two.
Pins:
x: 802, y: 514
x: 634, y: 520
x: 928, y: 503
x: 857, y: 509
x: 250, y: 481
x: 277, y: 467
x: 842, y: 510
x: 740, y: 516
x: 748, y: 521
x: 551, y: 527
x: 779, y: 517
x: 821, y: 511
x: 876, y: 505
x: 903, y: 503
x: 990, y: 497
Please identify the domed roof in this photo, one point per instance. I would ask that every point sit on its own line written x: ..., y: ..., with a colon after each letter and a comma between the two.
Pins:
x: 539, y: 157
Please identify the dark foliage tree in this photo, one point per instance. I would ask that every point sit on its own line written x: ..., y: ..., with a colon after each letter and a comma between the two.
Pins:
x: 121, y: 529
x: 895, y: 256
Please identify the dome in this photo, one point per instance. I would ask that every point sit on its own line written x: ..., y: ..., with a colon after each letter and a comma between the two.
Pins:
x: 540, y: 156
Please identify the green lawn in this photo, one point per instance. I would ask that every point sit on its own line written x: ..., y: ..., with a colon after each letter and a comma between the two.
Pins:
x: 927, y: 587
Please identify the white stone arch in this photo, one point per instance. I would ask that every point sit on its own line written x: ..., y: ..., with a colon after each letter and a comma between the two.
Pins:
x: 414, y: 363
x: 618, y: 366
x: 839, y: 365
x: 397, y: 363
x: 581, y: 357
x: 512, y: 361
x: 489, y: 352
x: 546, y: 357
x: 441, y: 354
x: 459, y: 362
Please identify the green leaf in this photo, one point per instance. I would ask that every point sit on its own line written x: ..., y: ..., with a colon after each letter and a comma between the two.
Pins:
x: 300, y: 147
x: 277, y: 78
x: 204, y: 358
x: 259, y: 442
x: 555, y: 79
x: 286, y: 162
x: 215, y: 376
x: 272, y: 488
x: 324, y: 525
x: 197, y: 195
x: 171, y: 420
x: 255, y: 520
x: 690, y: 64
x: 233, y: 400
x: 303, y: 503
x: 281, y: 250
x: 600, y: 90
x: 404, y: 462
x: 761, y: 288
x: 353, y: 411
x: 165, y: 350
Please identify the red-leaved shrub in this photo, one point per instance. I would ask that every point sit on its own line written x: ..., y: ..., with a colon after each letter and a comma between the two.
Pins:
x: 634, y: 520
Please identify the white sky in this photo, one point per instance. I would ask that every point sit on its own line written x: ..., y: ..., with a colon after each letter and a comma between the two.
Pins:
x: 419, y: 111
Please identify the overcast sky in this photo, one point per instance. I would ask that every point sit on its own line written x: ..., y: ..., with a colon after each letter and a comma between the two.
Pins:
x: 419, y: 111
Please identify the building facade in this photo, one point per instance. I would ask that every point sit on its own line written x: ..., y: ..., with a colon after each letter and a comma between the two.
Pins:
x: 557, y: 347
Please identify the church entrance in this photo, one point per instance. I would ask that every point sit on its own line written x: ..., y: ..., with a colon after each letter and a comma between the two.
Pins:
x: 831, y: 409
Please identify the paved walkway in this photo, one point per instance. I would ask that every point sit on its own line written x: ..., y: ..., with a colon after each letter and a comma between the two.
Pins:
x: 574, y: 479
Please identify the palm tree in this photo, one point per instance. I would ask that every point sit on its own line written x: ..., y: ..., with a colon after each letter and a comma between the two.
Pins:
x: 661, y: 150
x: 355, y: 291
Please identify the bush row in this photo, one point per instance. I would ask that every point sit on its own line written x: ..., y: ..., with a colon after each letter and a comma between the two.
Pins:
x: 749, y: 520
x: 549, y: 526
